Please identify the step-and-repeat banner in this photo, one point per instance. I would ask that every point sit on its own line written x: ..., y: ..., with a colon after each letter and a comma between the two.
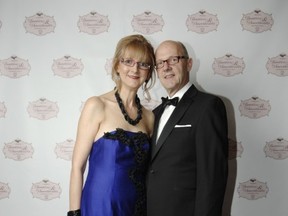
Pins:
x: 56, y: 54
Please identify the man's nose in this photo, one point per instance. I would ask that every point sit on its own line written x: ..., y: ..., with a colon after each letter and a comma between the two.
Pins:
x: 166, y: 66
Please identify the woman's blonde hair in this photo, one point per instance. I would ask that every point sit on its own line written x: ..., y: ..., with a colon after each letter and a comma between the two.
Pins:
x: 138, y: 47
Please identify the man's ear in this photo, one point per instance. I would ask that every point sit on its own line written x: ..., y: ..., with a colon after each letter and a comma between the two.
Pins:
x: 189, y: 64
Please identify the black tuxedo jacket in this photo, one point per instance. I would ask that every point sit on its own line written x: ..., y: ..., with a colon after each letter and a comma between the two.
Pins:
x: 188, y: 169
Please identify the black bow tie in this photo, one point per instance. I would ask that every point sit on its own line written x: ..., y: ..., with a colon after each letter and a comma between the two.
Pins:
x: 167, y: 102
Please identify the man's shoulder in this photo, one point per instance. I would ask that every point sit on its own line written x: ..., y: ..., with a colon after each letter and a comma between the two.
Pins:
x: 206, y: 94
x: 203, y: 97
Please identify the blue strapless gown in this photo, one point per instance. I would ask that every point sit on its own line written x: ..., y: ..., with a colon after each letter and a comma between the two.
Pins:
x: 115, y: 183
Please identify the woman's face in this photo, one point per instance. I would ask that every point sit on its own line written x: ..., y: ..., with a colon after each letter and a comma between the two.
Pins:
x: 133, y: 72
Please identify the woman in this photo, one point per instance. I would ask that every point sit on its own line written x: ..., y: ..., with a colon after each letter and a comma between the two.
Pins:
x: 114, y: 131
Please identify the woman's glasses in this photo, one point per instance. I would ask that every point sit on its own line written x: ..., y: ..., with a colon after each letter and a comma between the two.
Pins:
x: 132, y: 62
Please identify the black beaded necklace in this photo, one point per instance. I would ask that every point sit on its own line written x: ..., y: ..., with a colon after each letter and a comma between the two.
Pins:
x: 124, y: 112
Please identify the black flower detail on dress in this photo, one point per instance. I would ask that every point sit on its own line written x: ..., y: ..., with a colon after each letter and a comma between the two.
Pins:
x: 137, y: 174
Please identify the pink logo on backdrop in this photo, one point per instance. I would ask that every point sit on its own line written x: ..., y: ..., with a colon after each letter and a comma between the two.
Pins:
x: 43, y: 109
x: 235, y: 149
x: 64, y: 149
x: 93, y: 23
x: 18, y: 150
x: 14, y: 67
x: 202, y: 22
x: 228, y: 65
x: 39, y: 24
x: 278, y: 65
x: 108, y: 66
x: 4, y: 190
x: 67, y: 67
x: 46, y: 190
x: 3, y: 110
x: 257, y: 21
x: 277, y: 149
x: 147, y: 23
x: 254, y: 108
x: 252, y: 189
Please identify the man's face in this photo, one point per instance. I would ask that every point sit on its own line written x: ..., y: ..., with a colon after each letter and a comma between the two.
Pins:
x: 175, y: 75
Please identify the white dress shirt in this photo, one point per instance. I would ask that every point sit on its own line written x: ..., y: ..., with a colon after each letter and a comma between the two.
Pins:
x: 169, y: 109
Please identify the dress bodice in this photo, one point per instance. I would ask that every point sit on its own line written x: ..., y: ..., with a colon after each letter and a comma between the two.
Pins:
x: 115, y: 183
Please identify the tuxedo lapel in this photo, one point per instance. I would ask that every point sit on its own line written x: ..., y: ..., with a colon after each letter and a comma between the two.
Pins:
x: 179, y: 111
x: 158, y: 113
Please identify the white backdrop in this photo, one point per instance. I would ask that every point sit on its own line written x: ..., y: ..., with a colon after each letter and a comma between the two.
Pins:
x: 56, y: 54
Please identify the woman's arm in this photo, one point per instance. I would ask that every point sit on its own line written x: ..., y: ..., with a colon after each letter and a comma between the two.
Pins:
x: 88, y: 127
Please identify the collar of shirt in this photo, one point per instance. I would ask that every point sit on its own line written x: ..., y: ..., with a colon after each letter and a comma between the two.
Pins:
x: 169, y: 109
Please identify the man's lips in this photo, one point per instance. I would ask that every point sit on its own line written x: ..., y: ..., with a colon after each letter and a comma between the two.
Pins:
x: 167, y: 76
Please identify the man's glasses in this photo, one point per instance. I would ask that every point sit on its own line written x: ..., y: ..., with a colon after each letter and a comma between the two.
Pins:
x: 170, y: 61
x: 131, y: 63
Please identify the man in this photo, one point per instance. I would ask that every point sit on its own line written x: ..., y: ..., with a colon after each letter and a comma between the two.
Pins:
x: 188, y: 169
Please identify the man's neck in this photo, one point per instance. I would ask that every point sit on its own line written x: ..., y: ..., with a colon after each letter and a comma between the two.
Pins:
x: 180, y: 92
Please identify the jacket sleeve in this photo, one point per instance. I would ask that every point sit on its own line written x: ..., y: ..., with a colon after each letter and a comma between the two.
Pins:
x: 212, y: 159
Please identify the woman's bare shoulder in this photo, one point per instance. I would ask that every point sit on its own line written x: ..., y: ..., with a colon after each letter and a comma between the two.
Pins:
x: 148, y: 112
x: 97, y: 103
x: 94, y: 102
x: 149, y: 119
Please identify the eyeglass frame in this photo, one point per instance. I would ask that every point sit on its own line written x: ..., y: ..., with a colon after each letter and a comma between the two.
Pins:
x: 169, y: 59
x: 140, y: 65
